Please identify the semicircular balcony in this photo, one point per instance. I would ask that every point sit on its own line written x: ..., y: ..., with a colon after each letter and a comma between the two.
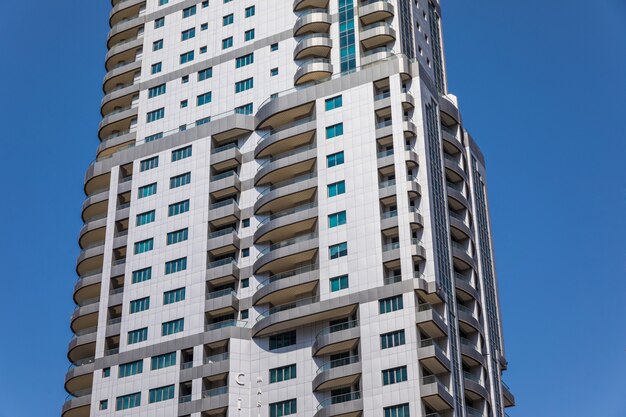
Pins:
x: 76, y: 407
x: 313, y: 45
x: 466, y: 289
x: 459, y: 227
x: 340, y: 337
x: 454, y: 168
x: 337, y: 373
x: 121, y: 96
x: 90, y: 259
x: 85, y: 315
x: 456, y: 197
x: 344, y: 405
x: 126, y: 10
x: 312, y: 21
x: 302, y: 312
x: 278, y: 288
x: 98, y: 184
x: 282, y: 254
x: 79, y: 378
x: 472, y: 353
x: 92, y: 233
x: 449, y: 111
x: 82, y: 347
x: 304, y: 4
x: 313, y: 70
x: 469, y: 319
x: 114, y: 143
x: 462, y: 257
x: 95, y: 207
x: 125, y: 51
x: 124, y: 27
x: 286, y: 137
x: 87, y: 287
x: 286, y: 194
x: 292, y: 221
x: 119, y: 120
x: 283, y: 166
x: 372, y: 11
x: 474, y: 387
x: 121, y: 77
x: 451, y: 143
x: 376, y: 35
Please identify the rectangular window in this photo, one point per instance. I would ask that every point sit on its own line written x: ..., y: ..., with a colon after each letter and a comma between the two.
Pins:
x: 249, y: 35
x: 337, y: 219
x: 176, y: 265
x: 228, y: 20
x: 149, y: 163
x: 333, y: 103
x: 283, y: 408
x: 177, y: 236
x: 173, y: 296
x: 142, y: 275
x: 334, y: 159
x: 187, y: 57
x: 188, y: 34
x: 180, y: 180
x: 336, y: 188
x: 178, y: 208
x: 147, y: 190
x: 205, y: 4
x: 106, y: 372
x: 182, y: 153
x: 334, y: 131
x: 189, y: 11
x: 156, y: 68
x: 397, y: 411
x: 163, y: 2
x: 161, y: 394
x: 144, y: 246
x: 250, y: 11
x: 338, y: 251
x: 145, y: 218
x: 339, y: 283
x: 130, y: 369
x: 244, y: 60
x: 163, y: 361
x: 273, y: 72
x: 392, y: 339
x: 204, y: 98
x: 394, y: 375
x: 171, y: 327
x: 128, y: 401
x: 156, y: 45
x: 205, y: 74
x: 284, y: 373
x: 204, y: 26
x: 273, y: 47
x: 104, y: 404
x: 282, y: 340
x: 139, y: 305
x: 154, y: 137
x: 159, y: 23
x: 245, y: 109
x: 244, y: 85
x: 387, y: 305
x: 136, y: 336
x: 227, y: 43
x: 155, y: 115
x: 203, y: 121
x: 157, y: 91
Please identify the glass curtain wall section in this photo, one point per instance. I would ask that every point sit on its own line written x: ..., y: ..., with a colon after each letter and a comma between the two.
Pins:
x: 347, y: 47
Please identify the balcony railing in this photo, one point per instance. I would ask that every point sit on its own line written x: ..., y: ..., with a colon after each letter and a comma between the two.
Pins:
x: 287, y: 212
x: 337, y: 328
x: 384, y: 153
x: 221, y: 293
x: 224, y: 324
x: 289, y: 306
x: 223, y: 148
x: 222, y: 232
x: 228, y: 202
x: 391, y: 246
x: 287, y: 154
x: 387, y: 183
x: 220, y: 357
x: 284, y: 183
x: 337, y: 363
x: 338, y: 399
x: 221, y: 262
x: 287, y: 242
x: 287, y: 274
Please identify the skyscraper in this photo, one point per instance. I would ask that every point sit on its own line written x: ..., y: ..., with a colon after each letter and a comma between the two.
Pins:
x: 285, y: 216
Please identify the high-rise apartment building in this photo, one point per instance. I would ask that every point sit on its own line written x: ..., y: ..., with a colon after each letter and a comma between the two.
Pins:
x: 285, y: 216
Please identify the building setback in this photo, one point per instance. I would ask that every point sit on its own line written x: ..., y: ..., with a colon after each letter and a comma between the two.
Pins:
x: 286, y: 216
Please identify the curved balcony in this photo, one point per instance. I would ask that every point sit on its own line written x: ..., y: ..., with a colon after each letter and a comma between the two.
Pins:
x: 377, y: 35
x: 376, y: 54
x: 461, y: 258
x: 221, y: 302
x: 344, y: 405
x: 92, y: 233
x: 286, y: 194
x: 474, y: 389
x: 123, y: 52
x: 409, y: 128
x: 472, y: 353
x: 415, y: 217
x: 432, y: 355
x: 226, y: 157
x: 224, y: 185
x: 283, y: 254
x: 82, y: 347
x: 466, y: 290
x: 119, y: 120
x: 469, y: 321
x: 459, y: 229
x: 97, y: 184
x: 222, y: 271
x: 85, y: 316
x: 457, y: 201
x: 281, y: 225
x: 87, y: 287
x: 454, y: 169
x: 312, y: 21
x: 317, y: 45
x: 286, y: 165
x: 313, y: 70
x: 337, y: 338
x: 372, y: 11
x: 95, y: 206
x: 126, y: 10
x: 76, y: 407
x: 124, y: 27
x: 451, y: 143
x: 121, y: 97
x: 79, y: 378
x: 338, y: 373
x: 90, y: 259
x: 286, y: 138
x: 430, y: 321
x: 449, y: 111
x: 278, y: 288
x: 435, y: 393
x: 282, y: 112
x: 116, y: 142
x: 301, y: 312
x: 507, y: 396
x: 124, y: 75
x: 224, y: 212
x: 304, y: 4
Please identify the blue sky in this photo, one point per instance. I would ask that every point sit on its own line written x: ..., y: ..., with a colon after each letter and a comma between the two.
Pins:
x: 541, y: 87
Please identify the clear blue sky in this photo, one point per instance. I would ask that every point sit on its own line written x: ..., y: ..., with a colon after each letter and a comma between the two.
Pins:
x: 541, y: 85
